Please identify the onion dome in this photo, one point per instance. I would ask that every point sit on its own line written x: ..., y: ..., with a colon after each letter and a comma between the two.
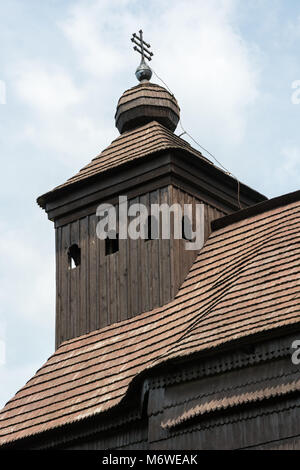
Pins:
x: 144, y: 103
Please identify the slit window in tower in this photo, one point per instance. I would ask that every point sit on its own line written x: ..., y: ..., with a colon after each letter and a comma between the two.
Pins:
x: 74, y: 256
x: 112, y: 244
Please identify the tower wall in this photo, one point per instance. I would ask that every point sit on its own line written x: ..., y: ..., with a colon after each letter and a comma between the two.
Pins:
x: 139, y: 276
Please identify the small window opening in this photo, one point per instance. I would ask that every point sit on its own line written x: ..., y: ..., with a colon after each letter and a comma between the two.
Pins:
x: 186, y: 228
x: 74, y: 256
x: 151, y: 228
x: 112, y: 244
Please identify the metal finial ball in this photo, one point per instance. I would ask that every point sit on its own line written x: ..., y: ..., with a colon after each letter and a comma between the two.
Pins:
x: 143, y: 72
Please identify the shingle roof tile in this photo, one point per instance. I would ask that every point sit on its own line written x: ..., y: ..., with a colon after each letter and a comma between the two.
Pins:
x: 134, y: 144
x: 245, y: 280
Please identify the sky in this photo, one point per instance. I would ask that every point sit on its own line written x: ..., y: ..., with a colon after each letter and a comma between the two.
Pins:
x: 233, y: 66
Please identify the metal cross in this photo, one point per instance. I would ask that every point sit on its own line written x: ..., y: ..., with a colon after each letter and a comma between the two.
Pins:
x: 141, y: 47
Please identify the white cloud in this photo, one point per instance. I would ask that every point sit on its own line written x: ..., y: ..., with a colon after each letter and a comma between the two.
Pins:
x: 2, y: 352
x: 45, y: 88
x: 198, y: 51
x: 285, y: 173
x: 15, y: 377
x: 290, y: 166
x: 27, y: 300
x: 59, y: 111
x: 27, y: 283
x: 94, y: 29
x: 292, y: 29
x: 213, y: 70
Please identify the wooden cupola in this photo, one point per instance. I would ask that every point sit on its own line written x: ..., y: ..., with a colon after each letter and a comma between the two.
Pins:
x: 100, y: 282
x: 145, y: 103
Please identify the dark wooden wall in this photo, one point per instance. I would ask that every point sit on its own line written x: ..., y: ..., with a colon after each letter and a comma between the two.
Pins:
x: 270, y: 423
x: 133, y: 437
x: 249, y: 425
x: 142, y: 275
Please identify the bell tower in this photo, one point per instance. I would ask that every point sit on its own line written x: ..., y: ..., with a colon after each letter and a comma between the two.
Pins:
x: 100, y: 282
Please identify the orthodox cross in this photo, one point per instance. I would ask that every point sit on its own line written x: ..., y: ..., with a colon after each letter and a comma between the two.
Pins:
x: 141, y: 47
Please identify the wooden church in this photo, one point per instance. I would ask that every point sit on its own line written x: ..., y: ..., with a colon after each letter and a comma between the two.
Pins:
x: 159, y: 347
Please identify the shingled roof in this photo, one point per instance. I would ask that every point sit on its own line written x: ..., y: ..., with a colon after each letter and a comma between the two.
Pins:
x: 131, y: 145
x: 244, y: 281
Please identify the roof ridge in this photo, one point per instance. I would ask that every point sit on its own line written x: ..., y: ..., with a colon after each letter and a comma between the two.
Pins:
x: 256, y: 209
x: 138, y: 130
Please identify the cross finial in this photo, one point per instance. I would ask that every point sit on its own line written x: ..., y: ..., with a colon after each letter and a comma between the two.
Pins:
x: 143, y: 72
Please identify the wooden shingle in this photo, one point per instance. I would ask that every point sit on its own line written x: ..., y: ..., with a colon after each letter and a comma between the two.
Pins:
x: 244, y: 281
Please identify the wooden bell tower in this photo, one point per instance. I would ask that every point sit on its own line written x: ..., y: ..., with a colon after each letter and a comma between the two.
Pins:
x: 100, y: 282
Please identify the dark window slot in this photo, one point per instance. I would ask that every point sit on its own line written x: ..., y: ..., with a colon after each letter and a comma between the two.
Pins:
x: 111, y: 245
x: 74, y: 256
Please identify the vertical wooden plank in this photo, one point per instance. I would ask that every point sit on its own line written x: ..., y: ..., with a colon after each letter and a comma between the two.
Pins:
x: 164, y: 256
x: 206, y: 222
x: 144, y: 264
x: 102, y: 317
x: 107, y: 320
x: 212, y: 214
x: 65, y: 284
x: 116, y: 278
x: 134, y: 271
x: 154, y: 273
x: 148, y: 266
x: 117, y: 283
x: 182, y: 257
x: 123, y: 271
x: 198, y: 201
x: 186, y: 254
x: 112, y: 261
x: 123, y: 280
x: 74, y: 284
x: 172, y: 258
x: 93, y: 274
x: 58, y: 313
x: 128, y: 254
x: 192, y: 253
x: 176, y: 247
x: 84, y: 270
x: 96, y: 321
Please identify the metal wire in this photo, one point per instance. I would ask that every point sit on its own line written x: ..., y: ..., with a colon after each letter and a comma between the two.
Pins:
x: 203, y: 148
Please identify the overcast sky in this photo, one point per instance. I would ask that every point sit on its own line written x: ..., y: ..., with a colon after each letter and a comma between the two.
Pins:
x: 64, y: 63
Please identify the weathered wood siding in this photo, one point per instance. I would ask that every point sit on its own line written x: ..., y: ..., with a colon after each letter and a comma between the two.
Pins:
x: 105, y: 289
x: 249, y: 425
x: 132, y: 437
